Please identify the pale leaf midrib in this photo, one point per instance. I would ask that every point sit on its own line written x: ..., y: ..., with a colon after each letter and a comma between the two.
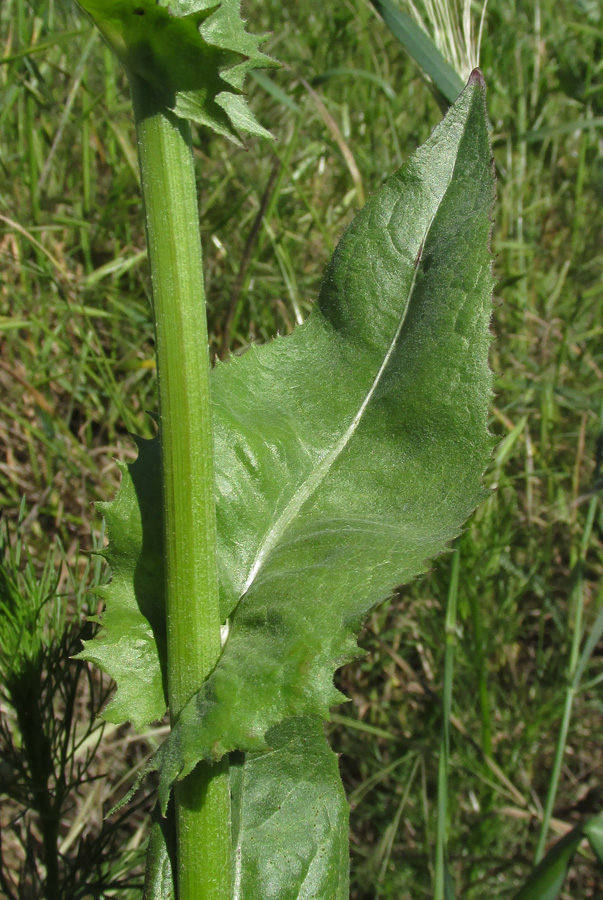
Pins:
x: 323, y: 467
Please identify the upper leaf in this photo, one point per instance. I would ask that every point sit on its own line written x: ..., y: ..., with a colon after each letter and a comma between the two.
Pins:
x: 194, y: 55
x: 346, y: 455
x: 352, y: 451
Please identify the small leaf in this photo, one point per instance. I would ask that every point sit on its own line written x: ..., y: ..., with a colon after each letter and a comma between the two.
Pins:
x: 158, y: 876
x: 193, y: 54
x: 352, y: 451
x: 131, y: 645
x: 547, y: 879
x: 290, y: 819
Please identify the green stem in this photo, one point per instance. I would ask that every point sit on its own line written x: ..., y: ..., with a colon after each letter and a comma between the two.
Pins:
x: 574, y: 673
x: 202, y: 802
x: 441, y: 866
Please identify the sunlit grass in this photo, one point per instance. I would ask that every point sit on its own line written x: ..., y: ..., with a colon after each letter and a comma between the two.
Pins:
x: 76, y: 373
x: 456, y: 29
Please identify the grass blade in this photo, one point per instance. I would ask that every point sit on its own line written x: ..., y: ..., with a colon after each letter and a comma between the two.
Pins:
x: 547, y: 878
x: 577, y: 664
x: 422, y: 49
x: 443, y: 886
x: 594, y: 832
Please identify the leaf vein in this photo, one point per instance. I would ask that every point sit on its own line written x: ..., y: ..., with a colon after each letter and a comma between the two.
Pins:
x: 322, y: 469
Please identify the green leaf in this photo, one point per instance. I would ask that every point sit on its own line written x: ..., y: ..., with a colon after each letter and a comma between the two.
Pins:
x: 422, y: 49
x: 289, y: 823
x: 352, y: 451
x: 290, y: 819
x: 158, y: 876
x: 193, y: 54
x: 594, y: 832
x: 131, y: 645
x: 547, y: 879
x: 346, y: 456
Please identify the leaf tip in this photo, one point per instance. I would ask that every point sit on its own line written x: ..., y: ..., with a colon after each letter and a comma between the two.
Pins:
x: 477, y: 78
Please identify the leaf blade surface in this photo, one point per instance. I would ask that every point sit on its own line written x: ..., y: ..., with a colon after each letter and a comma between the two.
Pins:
x: 352, y: 451
x: 131, y: 645
x: 290, y: 816
x: 289, y: 823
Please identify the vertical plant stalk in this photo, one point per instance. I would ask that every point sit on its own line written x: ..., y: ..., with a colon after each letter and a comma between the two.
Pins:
x: 202, y: 802
x: 480, y: 665
x: 441, y: 866
x: 574, y: 674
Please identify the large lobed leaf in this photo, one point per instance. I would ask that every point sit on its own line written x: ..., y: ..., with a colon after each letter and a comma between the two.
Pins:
x: 352, y: 451
x: 194, y: 54
x: 347, y: 455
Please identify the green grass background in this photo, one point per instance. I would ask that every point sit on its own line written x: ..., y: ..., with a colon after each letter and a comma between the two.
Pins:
x: 77, y: 374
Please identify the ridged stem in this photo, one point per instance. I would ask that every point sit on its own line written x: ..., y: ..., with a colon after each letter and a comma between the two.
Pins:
x: 202, y: 803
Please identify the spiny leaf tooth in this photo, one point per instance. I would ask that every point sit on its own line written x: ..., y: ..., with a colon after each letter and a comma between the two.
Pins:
x: 189, y: 53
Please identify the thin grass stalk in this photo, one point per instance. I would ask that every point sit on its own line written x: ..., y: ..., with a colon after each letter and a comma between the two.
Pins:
x: 392, y: 830
x: 37, y: 752
x: 577, y: 608
x: 442, y: 808
x: 453, y: 31
x: 480, y: 662
x: 86, y: 175
x: 202, y: 801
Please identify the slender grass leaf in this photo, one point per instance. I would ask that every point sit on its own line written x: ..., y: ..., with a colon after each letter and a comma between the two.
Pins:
x: 576, y: 125
x: 275, y: 91
x: 350, y: 452
x: 422, y: 49
x: 595, y: 635
x: 448, y: 885
x: 343, y: 71
x: 547, y: 879
x: 8, y: 323
x: 594, y: 832
x: 194, y: 55
x: 52, y: 40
